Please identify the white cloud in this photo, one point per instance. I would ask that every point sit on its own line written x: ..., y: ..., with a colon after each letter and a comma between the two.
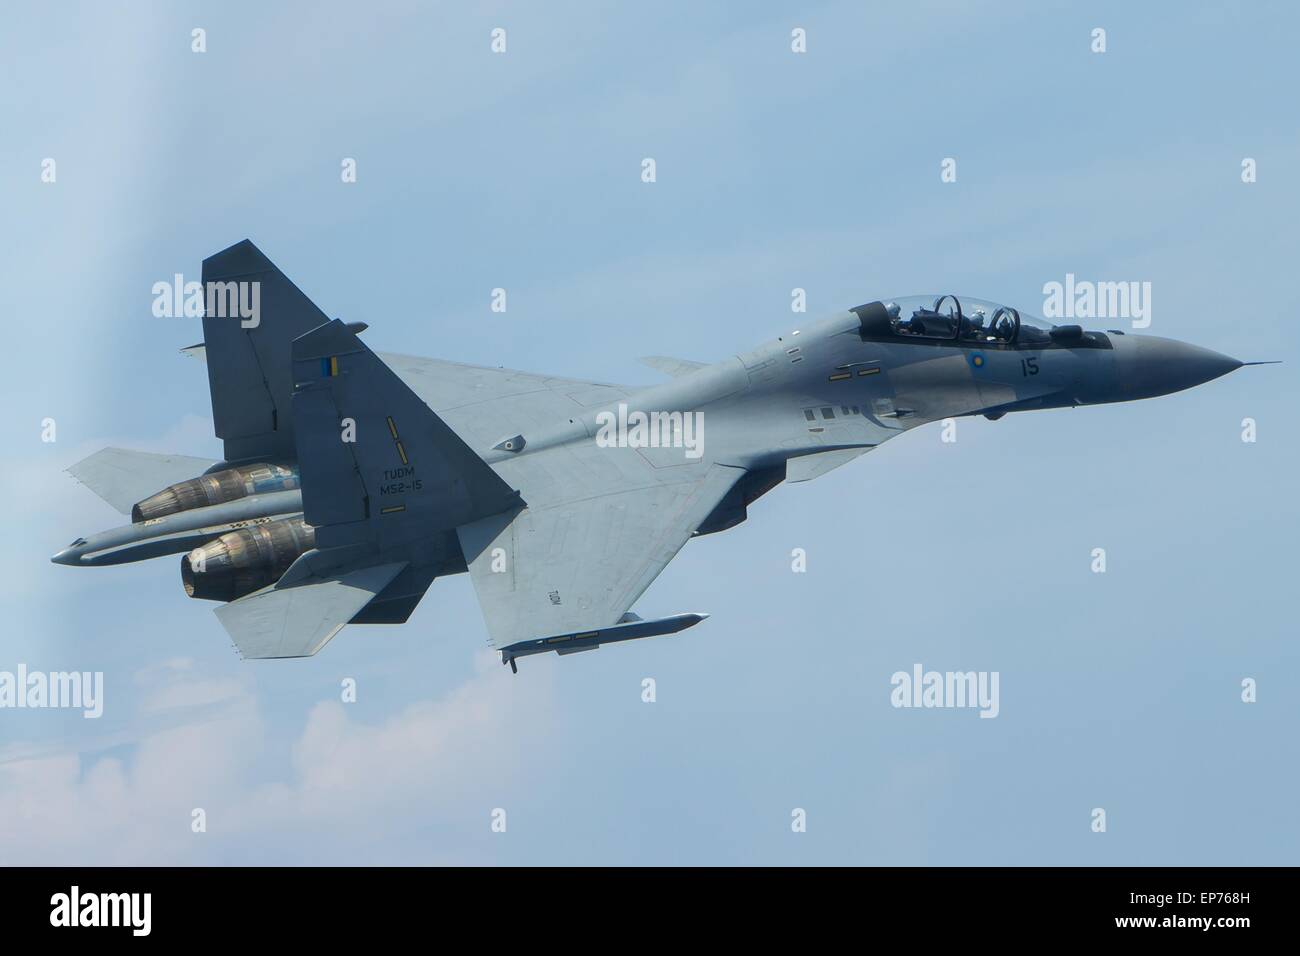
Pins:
x: 340, y: 775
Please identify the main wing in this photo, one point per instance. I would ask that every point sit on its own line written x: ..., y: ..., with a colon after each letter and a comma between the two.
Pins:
x: 563, y: 569
x: 484, y: 405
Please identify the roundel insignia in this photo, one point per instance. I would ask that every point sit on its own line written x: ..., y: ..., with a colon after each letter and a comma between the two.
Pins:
x: 977, y: 359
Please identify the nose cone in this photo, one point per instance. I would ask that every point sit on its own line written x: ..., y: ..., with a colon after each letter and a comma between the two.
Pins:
x: 1154, y: 366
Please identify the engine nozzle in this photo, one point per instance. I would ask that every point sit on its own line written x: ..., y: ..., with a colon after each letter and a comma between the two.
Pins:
x: 241, y: 562
x: 217, y: 488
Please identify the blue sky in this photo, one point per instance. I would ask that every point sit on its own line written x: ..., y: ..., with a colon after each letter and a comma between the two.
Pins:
x: 775, y: 171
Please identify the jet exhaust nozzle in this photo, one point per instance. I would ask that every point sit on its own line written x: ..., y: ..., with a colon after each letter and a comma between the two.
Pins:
x: 241, y: 562
x: 229, y: 484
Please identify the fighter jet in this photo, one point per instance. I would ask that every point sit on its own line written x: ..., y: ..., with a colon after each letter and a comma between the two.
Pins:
x: 352, y: 479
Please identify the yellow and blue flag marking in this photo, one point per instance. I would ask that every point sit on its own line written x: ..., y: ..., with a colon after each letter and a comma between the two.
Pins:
x: 329, y: 366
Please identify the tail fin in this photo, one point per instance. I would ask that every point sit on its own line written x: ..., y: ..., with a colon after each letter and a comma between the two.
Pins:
x: 253, y: 315
x: 377, y: 465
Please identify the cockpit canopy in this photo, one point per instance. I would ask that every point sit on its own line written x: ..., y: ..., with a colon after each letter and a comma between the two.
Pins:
x: 947, y: 317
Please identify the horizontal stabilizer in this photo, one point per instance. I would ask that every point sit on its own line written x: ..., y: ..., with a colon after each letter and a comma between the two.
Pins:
x: 122, y: 477
x: 298, y: 621
x: 631, y: 630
